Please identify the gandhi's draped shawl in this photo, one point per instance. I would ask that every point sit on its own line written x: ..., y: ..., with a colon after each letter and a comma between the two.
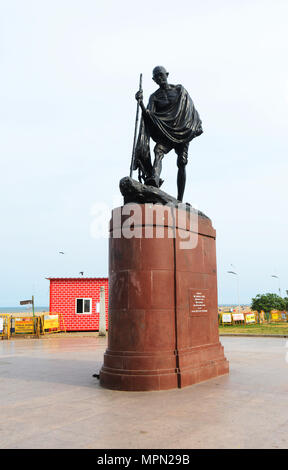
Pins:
x: 177, y: 124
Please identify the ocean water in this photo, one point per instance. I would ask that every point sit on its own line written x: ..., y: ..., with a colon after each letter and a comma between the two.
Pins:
x: 42, y: 308
x: 23, y: 309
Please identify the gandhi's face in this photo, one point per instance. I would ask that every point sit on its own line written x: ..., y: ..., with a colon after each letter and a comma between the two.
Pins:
x: 160, y: 77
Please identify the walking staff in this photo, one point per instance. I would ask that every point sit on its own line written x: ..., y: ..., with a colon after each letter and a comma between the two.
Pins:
x: 135, y: 130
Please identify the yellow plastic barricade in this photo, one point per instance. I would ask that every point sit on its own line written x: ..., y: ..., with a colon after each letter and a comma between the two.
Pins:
x: 276, y: 316
x: 50, y: 322
x: 5, y: 324
x: 226, y: 318
x: 238, y: 317
x: 250, y: 318
x: 13, y: 324
x: 24, y: 325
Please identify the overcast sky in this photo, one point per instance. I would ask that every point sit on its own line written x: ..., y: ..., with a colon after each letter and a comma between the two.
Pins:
x: 69, y: 73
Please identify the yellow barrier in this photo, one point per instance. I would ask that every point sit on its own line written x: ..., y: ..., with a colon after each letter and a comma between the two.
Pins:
x: 250, y: 318
x: 238, y: 318
x: 277, y: 315
x: 52, y: 323
x: 5, y: 323
x: 17, y: 324
x: 226, y: 318
x: 24, y: 325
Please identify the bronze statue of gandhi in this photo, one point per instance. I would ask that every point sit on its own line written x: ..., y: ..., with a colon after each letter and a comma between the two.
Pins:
x: 172, y: 121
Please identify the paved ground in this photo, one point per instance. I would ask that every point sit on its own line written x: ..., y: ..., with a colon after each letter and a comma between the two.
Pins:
x: 49, y: 399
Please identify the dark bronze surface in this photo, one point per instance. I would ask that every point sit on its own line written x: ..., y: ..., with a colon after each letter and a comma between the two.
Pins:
x: 172, y: 121
x: 133, y: 191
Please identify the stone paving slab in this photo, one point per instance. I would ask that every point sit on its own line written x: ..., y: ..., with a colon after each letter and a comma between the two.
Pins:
x: 49, y: 400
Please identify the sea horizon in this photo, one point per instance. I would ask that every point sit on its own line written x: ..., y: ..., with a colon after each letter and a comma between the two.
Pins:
x: 41, y: 308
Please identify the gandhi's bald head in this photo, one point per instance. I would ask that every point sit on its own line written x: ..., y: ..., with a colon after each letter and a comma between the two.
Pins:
x: 160, y: 76
x: 159, y: 69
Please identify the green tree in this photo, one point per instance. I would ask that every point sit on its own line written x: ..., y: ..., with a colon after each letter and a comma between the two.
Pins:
x: 268, y: 302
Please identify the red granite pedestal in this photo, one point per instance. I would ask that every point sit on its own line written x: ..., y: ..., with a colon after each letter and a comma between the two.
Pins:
x: 163, y: 312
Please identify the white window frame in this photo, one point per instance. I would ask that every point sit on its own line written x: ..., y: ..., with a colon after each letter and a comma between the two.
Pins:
x: 83, y: 298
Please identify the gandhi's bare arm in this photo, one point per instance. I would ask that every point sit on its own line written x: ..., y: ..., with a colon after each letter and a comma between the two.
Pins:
x: 139, y: 98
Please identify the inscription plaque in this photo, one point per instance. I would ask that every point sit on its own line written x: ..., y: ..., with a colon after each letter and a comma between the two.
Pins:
x: 198, y: 302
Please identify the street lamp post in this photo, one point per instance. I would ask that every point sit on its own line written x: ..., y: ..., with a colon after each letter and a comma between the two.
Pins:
x: 277, y: 277
x: 238, y: 296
